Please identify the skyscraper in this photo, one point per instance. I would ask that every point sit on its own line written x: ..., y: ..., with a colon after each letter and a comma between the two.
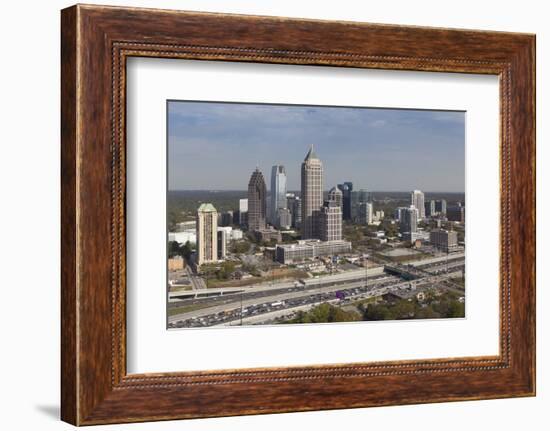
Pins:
x: 417, y: 200
x: 207, y: 234
x: 409, y: 220
x: 441, y: 207
x: 456, y: 213
x: 365, y: 212
x: 336, y: 195
x: 284, y: 218
x: 357, y: 198
x: 346, y: 189
x: 330, y: 221
x: 294, y: 204
x: 399, y: 213
x: 243, y: 212
x: 312, y: 193
x: 278, y: 191
x: 226, y: 218
x: 430, y: 208
x: 256, y: 201
x: 222, y: 243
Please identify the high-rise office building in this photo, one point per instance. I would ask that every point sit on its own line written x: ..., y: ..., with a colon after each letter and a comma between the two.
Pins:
x: 294, y: 204
x: 441, y: 207
x: 446, y: 240
x: 330, y: 221
x: 364, y: 213
x: 456, y: 213
x: 284, y: 218
x: 336, y: 195
x: 278, y: 191
x: 417, y: 200
x: 207, y: 234
x: 409, y: 220
x: 429, y: 208
x: 222, y: 243
x: 312, y: 193
x: 358, y: 197
x: 256, y: 201
x: 243, y: 212
x: 346, y: 189
x: 226, y: 218
x: 399, y: 213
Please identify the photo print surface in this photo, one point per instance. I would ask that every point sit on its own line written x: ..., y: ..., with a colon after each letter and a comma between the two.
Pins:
x: 295, y: 214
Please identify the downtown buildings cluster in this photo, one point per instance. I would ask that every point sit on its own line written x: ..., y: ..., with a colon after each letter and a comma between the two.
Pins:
x: 317, y: 215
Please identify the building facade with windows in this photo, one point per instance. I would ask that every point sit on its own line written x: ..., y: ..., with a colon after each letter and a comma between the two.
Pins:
x: 256, y: 201
x: 207, y: 234
x: 311, y: 194
x: 409, y: 222
x: 310, y: 249
x: 336, y: 195
x: 446, y: 240
x: 222, y: 243
x: 330, y: 221
x: 278, y: 191
x: 417, y: 200
x: 346, y: 188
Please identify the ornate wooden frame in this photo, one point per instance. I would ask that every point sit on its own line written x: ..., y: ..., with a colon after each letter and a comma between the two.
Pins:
x: 95, y: 43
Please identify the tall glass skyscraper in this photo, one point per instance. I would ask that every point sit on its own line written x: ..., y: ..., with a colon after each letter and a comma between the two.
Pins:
x: 256, y: 201
x: 346, y: 189
x: 278, y: 191
x: 417, y: 200
x: 358, y: 197
x: 312, y: 194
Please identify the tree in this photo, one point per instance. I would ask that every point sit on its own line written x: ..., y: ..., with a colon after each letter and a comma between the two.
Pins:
x: 240, y: 247
x: 455, y: 309
x: 324, y: 313
x: 377, y: 312
x: 187, y: 249
x: 225, y: 270
x: 173, y: 249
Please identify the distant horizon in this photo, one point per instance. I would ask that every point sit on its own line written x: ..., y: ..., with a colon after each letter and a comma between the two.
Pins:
x: 214, y: 143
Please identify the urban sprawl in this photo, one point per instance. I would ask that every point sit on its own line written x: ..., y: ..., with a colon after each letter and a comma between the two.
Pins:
x: 314, y: 256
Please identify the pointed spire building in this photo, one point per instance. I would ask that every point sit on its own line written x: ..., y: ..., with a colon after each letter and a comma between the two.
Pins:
x: 312, y: 194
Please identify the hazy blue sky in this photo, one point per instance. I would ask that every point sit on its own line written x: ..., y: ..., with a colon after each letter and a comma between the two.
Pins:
x: 218, y: 145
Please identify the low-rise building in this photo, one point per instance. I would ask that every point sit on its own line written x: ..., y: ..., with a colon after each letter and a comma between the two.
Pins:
x: 176, y: 263
x: 419, y: 235
x: 446, y: 240
x: 268, y: 234
x: 186, y: 225
x: 309, y: 249
x: 183, y: 237
x: 236, y: 234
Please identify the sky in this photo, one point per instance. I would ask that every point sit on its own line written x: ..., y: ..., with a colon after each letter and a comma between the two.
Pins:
x: 216, y: 146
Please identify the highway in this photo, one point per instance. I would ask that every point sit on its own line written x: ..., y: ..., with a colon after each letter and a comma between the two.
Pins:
x: 287, y: 297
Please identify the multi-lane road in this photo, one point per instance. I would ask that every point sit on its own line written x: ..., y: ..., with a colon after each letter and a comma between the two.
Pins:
x: 262, y: 304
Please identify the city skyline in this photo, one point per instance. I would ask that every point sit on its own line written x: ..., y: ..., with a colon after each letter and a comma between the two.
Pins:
x: 188, y: 120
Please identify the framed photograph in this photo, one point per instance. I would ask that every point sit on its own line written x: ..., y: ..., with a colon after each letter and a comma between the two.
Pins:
x: 264, y: 214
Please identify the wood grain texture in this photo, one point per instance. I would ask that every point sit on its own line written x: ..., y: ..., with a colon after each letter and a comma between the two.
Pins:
x: 96, y: 41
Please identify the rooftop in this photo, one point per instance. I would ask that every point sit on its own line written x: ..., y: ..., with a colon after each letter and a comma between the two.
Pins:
x: 311, y: 154
x: 207, y: 208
